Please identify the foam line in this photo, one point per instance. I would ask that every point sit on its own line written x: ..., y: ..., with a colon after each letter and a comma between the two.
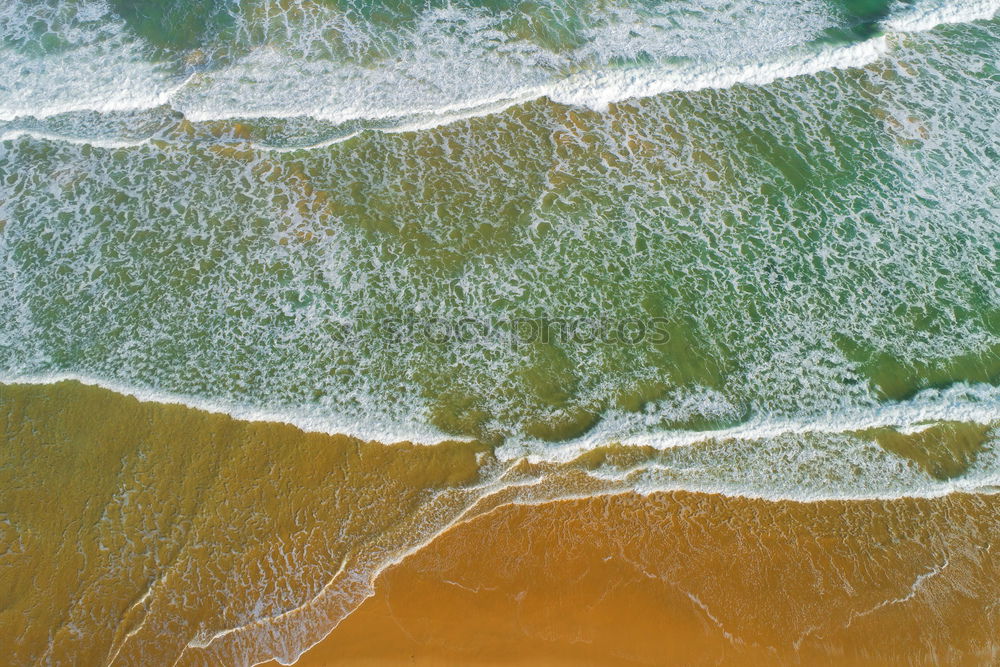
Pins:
x: 933, y: 405
x: 333, y: 425
x: 926, y: 408
x: 124, y: 103
x: 920, y: 19
x: 617, y: 480
x: 13, y: 135
x: 599, y: 89
x: 989, y: 486
x: 594, y: 89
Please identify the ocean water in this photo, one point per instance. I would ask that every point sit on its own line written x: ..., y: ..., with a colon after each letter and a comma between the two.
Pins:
x: 749, y: 249
x: 825, y: 243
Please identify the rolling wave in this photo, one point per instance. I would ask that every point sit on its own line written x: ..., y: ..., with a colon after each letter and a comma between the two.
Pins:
x: 451, y: 64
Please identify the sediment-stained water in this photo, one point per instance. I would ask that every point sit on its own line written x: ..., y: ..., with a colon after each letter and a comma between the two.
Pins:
x: 292, y: 290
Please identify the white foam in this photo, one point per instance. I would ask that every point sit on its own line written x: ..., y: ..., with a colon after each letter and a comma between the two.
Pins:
x: 413, y: 100
x: 371, y: 430
x: 124, y: 99
x: 13, y: 135
x: 599, y: 89
x: 927, y: 15
x: 595, y: 89
x: 305, y: 147
x: 99, y: 66
x: 976, y: 404
x: 988, y: 484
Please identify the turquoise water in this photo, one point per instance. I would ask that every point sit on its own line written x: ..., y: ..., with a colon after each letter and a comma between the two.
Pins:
x: 365, y: 216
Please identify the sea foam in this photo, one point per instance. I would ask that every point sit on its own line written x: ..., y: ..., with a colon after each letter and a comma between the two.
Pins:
x: 417, y: 88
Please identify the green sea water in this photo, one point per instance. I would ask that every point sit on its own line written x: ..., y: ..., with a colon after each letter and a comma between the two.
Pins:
x: 527, y: 222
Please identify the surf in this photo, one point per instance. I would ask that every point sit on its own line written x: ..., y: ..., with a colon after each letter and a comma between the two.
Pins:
x: 764, y: 436
x: 255, y: 85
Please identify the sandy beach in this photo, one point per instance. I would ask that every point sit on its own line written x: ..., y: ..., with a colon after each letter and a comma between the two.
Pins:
x: 690, y: 579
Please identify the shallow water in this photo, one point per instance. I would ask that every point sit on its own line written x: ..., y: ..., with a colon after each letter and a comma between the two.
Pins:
x: 825, y: 243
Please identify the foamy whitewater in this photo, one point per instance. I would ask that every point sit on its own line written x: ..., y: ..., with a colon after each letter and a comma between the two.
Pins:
x: 445, y: 64
x: 265, y: 211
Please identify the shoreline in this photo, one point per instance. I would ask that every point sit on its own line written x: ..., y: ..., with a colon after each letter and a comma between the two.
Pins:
x: 264, y: 517
x: 908, y: 418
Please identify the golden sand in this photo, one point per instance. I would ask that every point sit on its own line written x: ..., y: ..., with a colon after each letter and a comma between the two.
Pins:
x: 136, y: 533
x: 685, y: 579
x: 140, y: 533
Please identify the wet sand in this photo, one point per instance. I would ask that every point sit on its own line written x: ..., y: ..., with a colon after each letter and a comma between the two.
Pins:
x: 684, y: 578
x: 142, y: 533
x: 136, y: 533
